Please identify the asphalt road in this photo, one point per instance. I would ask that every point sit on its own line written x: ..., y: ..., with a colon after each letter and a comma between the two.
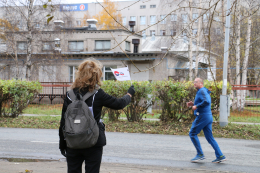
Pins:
x: 130, y: 148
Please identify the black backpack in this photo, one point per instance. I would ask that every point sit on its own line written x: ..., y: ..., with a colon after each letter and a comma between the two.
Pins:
x: 81, y: 129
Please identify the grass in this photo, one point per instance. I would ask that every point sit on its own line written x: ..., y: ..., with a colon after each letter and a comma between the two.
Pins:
x: 236, y: 131
x: 43, y: 109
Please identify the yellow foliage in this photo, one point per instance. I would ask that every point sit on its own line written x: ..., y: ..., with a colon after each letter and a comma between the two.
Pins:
x: 84, y: 19
x: 105, y: 21
x: 5, y: 25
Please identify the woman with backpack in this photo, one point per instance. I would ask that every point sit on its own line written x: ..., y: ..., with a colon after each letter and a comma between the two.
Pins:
x: 86, y: 86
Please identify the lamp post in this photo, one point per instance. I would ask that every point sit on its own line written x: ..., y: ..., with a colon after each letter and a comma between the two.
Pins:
x: 224, y: 98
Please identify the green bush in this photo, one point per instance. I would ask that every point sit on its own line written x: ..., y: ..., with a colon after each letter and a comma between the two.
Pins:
x: 139, y: 102
x: 173, y: 95
x: 15, y: 95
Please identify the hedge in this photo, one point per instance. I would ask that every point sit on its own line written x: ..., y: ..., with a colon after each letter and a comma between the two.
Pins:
x: 15, y: 95
x: 170, y: 95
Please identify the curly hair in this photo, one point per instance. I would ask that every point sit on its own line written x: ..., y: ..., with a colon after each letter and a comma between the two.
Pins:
x: 88, y: 75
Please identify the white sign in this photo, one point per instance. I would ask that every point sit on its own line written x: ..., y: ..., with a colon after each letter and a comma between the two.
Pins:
x: 121, y: 74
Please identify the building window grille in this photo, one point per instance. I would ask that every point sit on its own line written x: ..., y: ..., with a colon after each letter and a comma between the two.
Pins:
x: 174, y: 17
x: 152, y: 32
x: 127, y: 46
x: 72, y: 72
x: 205, y: 17
x: 173, y: 32
x: 132, y: 18
x: 76, y: 45
x: 124, y: 20
x: 206, y: 31
x: 78, y: 22
x: 152, y: 20
x: 195, y: 16
x: 103, y: 44
x: 163, y: 21
x: 22, y: 45
x: 37, y: 25
x: 69, y: 23
x: 47, y: 45
x: 162, y: 32
x: 194, y: 31
x: 184, y: 18
x: 142, y: 20
x: 108, y: 74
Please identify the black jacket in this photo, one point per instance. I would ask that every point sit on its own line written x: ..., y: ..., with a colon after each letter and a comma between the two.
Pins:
x: 101, y: 99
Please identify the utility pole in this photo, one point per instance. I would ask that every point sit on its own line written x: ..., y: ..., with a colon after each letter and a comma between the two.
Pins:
x: 224, y: 98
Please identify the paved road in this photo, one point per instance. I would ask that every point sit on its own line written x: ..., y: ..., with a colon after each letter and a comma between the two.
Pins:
x: 143, y: 149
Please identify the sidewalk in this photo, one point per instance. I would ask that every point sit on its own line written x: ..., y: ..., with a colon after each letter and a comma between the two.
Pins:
x: 61, y: 167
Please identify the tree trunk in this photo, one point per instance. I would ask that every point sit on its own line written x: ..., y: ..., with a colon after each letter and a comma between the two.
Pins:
x: 238, y: 100
x: 190, y: 47
x: 198, y: 44
x: 245, y: 62
x: 29, y: 41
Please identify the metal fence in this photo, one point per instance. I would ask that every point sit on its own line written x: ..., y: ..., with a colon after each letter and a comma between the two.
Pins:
x: 251, y: 106
x: 53, y: 92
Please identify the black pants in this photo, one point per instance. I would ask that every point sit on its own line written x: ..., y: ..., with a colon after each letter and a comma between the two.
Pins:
x: 92, y: 157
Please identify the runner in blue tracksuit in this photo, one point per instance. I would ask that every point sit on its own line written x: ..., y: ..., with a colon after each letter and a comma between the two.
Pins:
x: 203, y: 121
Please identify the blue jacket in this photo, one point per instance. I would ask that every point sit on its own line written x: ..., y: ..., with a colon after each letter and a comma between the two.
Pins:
x: 203, y: 102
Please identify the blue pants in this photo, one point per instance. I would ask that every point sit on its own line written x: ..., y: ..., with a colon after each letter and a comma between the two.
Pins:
x: 203, y: 122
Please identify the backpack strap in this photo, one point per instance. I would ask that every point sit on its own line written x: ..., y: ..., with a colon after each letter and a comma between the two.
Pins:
x: 72, y: 95
x: 89, y: 94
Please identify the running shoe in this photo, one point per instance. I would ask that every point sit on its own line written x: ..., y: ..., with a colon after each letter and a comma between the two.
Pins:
x: 219, y: 159
x: 197, y: 158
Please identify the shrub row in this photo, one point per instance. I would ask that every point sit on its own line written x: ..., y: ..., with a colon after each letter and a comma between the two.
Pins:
x: 170, y: 95
x: 15, y: 95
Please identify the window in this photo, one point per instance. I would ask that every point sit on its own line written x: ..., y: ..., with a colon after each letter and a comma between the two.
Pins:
x: 142, y: 20
x: 78, y: 22
x: 194, y: 31
x: 184, y: 18
x: 2, y: 46
x: 37, y: 25
x: 132, y: 18
x: 152, y: 20
x: 20, y: 25
x: 206, y: 31
x: 69, y: 23
x: 144, y: 34
x: 152, y: 6
x: 47, y: 45
x: 218, y: 31
x: 195, y: 16
x: 184, y: 33
x: 76, y: 45
x: 163, y: 21
x: 173, y: 32
x: 162, y: 32
x: 72, y: 72
x: 152, y: 32
x: 108, y: 74
x: 142, y: 6
x: 174, y: 17
x: 103, y: 44
x: 205, y: 17
x: 127, y: 46
x: 124, y: 20
x: 22, y: 45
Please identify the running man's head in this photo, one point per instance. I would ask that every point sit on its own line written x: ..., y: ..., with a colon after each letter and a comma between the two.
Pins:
x: 198, y: 83
x: 89, y: 75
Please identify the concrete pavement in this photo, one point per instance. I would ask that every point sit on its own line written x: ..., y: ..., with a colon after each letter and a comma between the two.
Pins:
x: 60, y: 167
